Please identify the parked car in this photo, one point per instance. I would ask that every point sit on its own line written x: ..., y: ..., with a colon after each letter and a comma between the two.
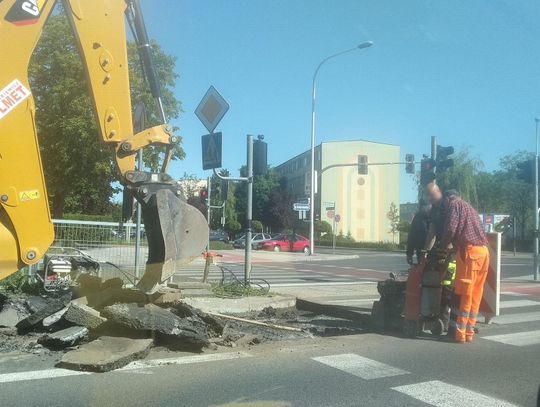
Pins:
x: 256, y: 240
x: 288, y: 243
x: 219, y: 236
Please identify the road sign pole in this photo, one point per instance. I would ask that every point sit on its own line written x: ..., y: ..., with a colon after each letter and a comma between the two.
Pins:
x: 247, y: 266
x: 334, y: 234
x: 208, y: 207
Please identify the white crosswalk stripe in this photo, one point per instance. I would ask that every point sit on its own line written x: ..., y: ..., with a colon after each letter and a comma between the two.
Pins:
x: 517, y: 318
x: 440, y: 394
x: 360, y: 366
x: 518, y: 303
x: 517, y: 339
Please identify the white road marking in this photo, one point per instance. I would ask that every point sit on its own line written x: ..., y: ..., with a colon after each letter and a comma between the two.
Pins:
x: 360, y: 366
x: 514, y: 294
x: 442, y: 394
x: 517, y: 339
x: 517, y: 318
x: 38, y: 374
x: 518, y: 303
x: 136, y: 365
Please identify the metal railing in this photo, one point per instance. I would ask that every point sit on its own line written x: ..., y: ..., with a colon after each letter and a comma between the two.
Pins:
x: 110, y: 243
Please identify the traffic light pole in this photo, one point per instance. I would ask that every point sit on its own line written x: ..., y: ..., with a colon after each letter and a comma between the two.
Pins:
x: 249, y: 180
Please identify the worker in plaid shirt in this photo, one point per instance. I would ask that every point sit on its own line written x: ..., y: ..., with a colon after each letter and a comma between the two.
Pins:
x: 464, y: 234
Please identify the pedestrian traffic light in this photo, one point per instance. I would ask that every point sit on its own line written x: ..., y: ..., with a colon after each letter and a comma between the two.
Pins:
x: 362, y: 165
x: 427, y: 171
x: 409, y: 163
x: 260, y: 156
x: 443, y: 162
x: 224, y: 189
x: 203, y: 195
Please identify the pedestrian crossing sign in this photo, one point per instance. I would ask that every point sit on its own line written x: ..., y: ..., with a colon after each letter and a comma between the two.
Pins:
x: 212, y: 150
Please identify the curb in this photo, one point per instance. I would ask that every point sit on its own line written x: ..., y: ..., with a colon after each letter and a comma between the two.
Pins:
x: 337, y: 311
x: 240, y: 305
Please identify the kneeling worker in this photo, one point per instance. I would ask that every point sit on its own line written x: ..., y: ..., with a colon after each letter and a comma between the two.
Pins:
x: 463, y: 231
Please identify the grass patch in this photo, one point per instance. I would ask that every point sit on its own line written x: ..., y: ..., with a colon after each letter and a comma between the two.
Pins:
x: 220, y: 246
x: 235, y: 290
x: 20, y: 282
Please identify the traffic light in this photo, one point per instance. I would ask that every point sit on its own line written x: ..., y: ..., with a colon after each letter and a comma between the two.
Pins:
x: 443, y: 162
x: 260, y: 156
x: 409, y: 163
x: 224, y: 190
x: 362, y: 165
x: 127, y: 204
x: 427, y: 171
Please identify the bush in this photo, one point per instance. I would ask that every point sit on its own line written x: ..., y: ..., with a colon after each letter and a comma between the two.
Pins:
x: 343, y: 241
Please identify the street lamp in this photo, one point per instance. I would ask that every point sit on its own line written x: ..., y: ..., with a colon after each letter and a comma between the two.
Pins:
x: 535, y: 272
x: 363, y: 45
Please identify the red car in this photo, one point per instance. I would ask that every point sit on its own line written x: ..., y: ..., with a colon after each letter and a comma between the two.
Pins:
x: 287, y: 243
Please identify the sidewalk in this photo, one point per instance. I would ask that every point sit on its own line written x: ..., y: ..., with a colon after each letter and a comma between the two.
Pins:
x: 349, y: 301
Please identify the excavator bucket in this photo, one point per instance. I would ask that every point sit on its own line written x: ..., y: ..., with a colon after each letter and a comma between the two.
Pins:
x: 177, y: 233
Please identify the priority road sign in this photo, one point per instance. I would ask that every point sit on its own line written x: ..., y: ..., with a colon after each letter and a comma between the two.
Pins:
x: 211, y: 109
x: 211, y: 150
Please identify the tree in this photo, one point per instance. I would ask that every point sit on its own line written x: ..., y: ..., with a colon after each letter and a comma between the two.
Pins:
x: 279, y: 213
x: 393, y: 217
x: 322, y: 228
x: 79, y: 170
x: 462, y: 176
x: 256, y: 226
x: 263, y: 186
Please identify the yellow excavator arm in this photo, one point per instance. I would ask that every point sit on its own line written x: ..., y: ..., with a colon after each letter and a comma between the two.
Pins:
x: 176, y: 231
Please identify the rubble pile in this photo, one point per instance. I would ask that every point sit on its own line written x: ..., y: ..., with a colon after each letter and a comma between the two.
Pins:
x: 102, y: 326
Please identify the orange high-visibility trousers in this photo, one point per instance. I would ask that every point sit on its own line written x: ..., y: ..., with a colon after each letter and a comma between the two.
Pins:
x: 471, y: 273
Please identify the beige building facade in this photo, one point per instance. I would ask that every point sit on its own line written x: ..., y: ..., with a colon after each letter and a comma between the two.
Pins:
x: 361, y: 201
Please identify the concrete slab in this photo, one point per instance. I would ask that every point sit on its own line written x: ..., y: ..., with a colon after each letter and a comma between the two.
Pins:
x: 64, y: 338
x: 240, y: 305
x: 105, y: 354
x: 82, y: 315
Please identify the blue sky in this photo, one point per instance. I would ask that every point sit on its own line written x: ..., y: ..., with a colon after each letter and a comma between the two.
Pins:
x: 464, y: 71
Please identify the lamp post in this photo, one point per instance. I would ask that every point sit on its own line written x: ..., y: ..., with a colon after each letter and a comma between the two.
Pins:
x: 313, y: 180
x: 535, y: 271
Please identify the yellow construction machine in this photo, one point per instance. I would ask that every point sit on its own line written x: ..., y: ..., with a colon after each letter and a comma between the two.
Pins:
x: 176, y: 231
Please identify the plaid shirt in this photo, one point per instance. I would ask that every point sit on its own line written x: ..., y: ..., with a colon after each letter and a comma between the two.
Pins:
x: 462, y: 225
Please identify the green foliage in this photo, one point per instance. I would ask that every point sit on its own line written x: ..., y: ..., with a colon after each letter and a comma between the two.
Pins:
x: 166, y: 71
x: 20, y: 282
x: 257, y: 226
x: 79, y: 170
x: 342, y: 241
x: 263, y: 186
x: 235, y: 290
x: 322, y: 227
x: 279, y: 213
x: 217, y: 245
x: 393, y: 217
x: 462, y: 176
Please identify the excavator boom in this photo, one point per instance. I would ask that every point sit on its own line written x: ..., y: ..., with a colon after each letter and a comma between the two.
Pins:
x: 176, y: 231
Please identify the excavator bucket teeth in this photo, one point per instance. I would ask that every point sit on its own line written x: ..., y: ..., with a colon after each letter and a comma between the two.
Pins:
x: 177, y: 233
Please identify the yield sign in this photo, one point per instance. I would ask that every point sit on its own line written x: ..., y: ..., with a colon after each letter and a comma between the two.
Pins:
x: 211, y: 109
x: 211, y: 150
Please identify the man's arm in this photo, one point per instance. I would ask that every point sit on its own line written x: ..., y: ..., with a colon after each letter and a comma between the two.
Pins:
x: 430, y: 238
x: 451, y: 223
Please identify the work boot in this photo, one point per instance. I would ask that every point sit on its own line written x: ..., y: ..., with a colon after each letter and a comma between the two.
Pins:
x: 469, y: 338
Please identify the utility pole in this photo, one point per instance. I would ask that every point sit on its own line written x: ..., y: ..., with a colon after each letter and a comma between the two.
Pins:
x: 535, y: 271
x: 249, y: 212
